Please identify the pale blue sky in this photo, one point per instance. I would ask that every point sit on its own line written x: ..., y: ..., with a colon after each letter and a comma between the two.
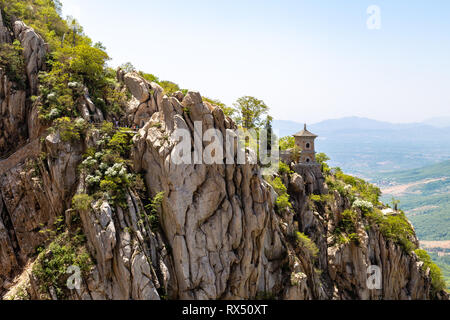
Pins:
x: 308, y: 60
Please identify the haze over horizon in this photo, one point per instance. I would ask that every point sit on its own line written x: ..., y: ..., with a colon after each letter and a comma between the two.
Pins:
x: 438, y: 122
x: 308, y: 61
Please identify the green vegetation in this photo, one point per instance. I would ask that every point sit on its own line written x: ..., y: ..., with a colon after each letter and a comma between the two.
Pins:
x: 82, y: 202
x: 365, y: 197
x: 282, y: 202
x: 121, y: 143
x: 345, y: 231
x: 154, y: 206
x: 147, y: 76
x: 169, y: 87
x: 21, y: 294
x: 322, y: 199
x: 73, y: 69
x: 398, y: 229
x: 228, y: 111
x: 364, y: 206
x: 42, y: 15
x: 443, y: 262
x: 307, y: 244
x: 353, y: 187
x: 437, y: 279
x: 427, y: 206
x: 286, y: 143
x: 250, y: 112
x: 393, y: 227
x: 363, y: 189
x: 322, y: 159
x: 11, y: 60
x: 70, y: 130
x: 52, y: 264
x: 284, y: 168
x: 106, y: 168
x: 74, y: 62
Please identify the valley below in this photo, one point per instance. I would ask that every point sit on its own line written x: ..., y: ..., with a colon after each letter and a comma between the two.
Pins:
x: 425, y: 198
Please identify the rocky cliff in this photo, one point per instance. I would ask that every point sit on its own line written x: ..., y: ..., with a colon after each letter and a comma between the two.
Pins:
x: 216, y: 233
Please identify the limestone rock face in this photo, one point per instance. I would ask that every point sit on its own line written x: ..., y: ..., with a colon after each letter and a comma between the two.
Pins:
x: 12, y: 114
x: 5, y: 36
x: 218, y: 220
x: 146, y: 98
x: 35, y: 51
x: 129, y: 257
x: 32, y: 194
x: 137, y: 86
x: 87, y: 108
x: 18, y: 119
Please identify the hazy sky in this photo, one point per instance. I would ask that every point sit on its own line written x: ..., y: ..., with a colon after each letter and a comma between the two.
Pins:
x: 308, y: 60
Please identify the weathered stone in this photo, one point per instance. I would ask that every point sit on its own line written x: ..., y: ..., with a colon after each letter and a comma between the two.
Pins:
x: 137, y: 86
x: 35, y: 51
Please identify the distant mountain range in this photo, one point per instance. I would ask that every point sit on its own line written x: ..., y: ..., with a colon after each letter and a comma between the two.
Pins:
x: 368, y: 147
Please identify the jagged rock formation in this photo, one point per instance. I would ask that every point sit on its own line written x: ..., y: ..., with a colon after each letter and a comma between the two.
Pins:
x: 220, y: 235
x: 13, y: 114
x: 18, y: 116
x: 35, y: 51
x: 5, y: 36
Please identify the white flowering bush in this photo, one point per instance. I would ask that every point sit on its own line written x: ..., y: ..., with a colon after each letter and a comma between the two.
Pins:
x: 54, y: 113
x: 363, y: 205
x: 348, y: 188
x: 74, y: 85
x: 93, y: 180
x: 51, y: 96
x: 105, y: 168
x: 89, y: 162
x: 117, y: 170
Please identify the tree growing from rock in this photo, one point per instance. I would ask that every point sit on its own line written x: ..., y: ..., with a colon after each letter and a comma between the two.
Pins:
x: 250, y: 112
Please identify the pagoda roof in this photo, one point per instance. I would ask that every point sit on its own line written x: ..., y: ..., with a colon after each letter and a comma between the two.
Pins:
x: 305, y: 133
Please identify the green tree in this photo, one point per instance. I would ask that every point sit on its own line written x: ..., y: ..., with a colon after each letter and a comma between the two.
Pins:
x: 128, y: 67
x: 228, y: 111
x: 286, y: 143
x: 395, y: 203
x: 149, y: 77
x: 250, y: 112
x: 169, y: 87
x: 11, y: 60
x: 437, y: 279
x: 322, y: 159
x: 269, y: 132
